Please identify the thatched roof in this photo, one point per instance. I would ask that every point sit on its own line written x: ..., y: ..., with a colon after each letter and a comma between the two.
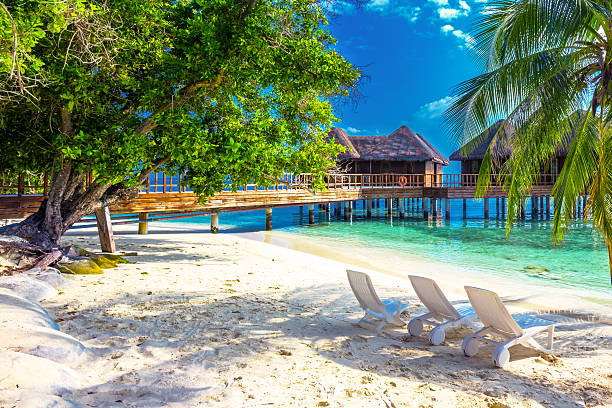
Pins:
x: 344, y: 139
x: 477, y: 147
x: 401, y: 145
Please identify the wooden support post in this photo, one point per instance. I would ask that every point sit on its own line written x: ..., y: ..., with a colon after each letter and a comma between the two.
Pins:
x: 503, y: 207
x: 214, y: 223
x: 533, y: 206
x: 541, y: 205
x: 464, y: 208
x: 486, y: 208
x: 389, y: 206
x: 447, y: 204
x: 268, y: 219
x: 432, y: 208
x: 346, y: 210
x: 400, y: 207
x: 369, y: 210
x: 548, y: 206
x: 105, y: 230
x: 337, y: 209
x: 20, y: 185
x: 522, y: 205
x: 425, y: 207
x: 311, y: 214
x: 497, y: 207
x: 143, y: 223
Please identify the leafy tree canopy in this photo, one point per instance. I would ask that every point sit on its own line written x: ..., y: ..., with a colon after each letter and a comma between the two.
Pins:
x: 219, y: 89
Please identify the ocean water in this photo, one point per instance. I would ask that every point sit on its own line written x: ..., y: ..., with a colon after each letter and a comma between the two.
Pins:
x: 527, y: 254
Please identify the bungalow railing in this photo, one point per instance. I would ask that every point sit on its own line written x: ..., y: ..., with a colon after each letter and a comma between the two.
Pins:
x: 160, y: 183
x: 471, y: 180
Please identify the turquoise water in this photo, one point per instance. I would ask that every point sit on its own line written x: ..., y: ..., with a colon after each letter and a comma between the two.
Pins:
x: 528, y: 254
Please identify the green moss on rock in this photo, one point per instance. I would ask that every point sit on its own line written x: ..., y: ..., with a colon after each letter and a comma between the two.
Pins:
x: 103, y: 262
x: 85, y: 267
x: 116, y: 259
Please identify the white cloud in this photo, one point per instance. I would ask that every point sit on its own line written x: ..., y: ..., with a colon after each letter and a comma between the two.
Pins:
x: 396, y: 8
x: 448, y: 13
x: 439, y: 2
x: 378, y: 4
x: 411, y: 14
x: 353, y: 130
x: 464, y: 5
x: 480, y: 1
x: 467, y: 40
x: 434, y: 109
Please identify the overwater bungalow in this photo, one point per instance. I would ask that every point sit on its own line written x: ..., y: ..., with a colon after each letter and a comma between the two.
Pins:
x: 401, y: 152
x: 472, y: 153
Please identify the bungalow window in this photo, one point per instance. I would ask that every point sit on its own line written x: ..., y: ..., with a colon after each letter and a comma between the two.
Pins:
x: 475, y: 167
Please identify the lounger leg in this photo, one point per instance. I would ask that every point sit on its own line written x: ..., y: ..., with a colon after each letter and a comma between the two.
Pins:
x: 501, y: 355
x: 437, y: 335
x: 380, y: 326
x: 365, y: 321
x: 415, y: 326
x: 549, y: 344
x: 551, y: 334
x: 470, y: 344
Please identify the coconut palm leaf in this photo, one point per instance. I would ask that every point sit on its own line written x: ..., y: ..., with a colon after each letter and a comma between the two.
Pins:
x: 545, y: 61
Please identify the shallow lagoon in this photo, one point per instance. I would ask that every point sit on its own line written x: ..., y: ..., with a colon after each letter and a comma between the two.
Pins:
x: 527, y: 254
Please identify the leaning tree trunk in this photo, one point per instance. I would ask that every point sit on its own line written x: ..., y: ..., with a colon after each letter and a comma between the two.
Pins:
x: 69, y: 200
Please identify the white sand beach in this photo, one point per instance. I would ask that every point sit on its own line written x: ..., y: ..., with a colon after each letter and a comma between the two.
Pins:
x: 219, y: 320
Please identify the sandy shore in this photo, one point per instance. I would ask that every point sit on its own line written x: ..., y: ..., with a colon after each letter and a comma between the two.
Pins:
x: 219, y: 320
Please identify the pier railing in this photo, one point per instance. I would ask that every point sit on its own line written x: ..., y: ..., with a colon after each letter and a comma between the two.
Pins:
x: 160, y: 183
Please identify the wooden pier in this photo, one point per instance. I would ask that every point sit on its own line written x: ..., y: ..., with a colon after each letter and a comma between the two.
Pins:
x: 165, y: 196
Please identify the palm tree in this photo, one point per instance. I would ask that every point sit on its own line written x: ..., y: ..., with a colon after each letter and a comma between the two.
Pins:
x: 548, y: 75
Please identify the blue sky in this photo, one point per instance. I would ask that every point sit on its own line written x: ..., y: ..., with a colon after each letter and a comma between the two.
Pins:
x: 413, y: 53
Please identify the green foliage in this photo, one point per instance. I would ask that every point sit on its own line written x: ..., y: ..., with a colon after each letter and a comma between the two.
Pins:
x: 225, y: 91
x: 548, y: 65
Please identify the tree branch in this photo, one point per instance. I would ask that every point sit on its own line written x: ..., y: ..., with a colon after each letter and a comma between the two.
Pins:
x: 144, y: 173
x: 15, y: 62
x: 177, y: 100
x: 247, y: 10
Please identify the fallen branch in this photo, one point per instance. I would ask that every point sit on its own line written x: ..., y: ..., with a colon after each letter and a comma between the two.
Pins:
x: 41, y: 262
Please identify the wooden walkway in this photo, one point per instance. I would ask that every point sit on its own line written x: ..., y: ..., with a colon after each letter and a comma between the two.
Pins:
x: 165, y: 194
x: 166, y: 197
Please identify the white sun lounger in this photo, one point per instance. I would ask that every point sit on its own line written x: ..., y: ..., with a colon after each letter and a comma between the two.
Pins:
x: 442, y: 315
x: 382, y: 313
x: 514, y: 329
